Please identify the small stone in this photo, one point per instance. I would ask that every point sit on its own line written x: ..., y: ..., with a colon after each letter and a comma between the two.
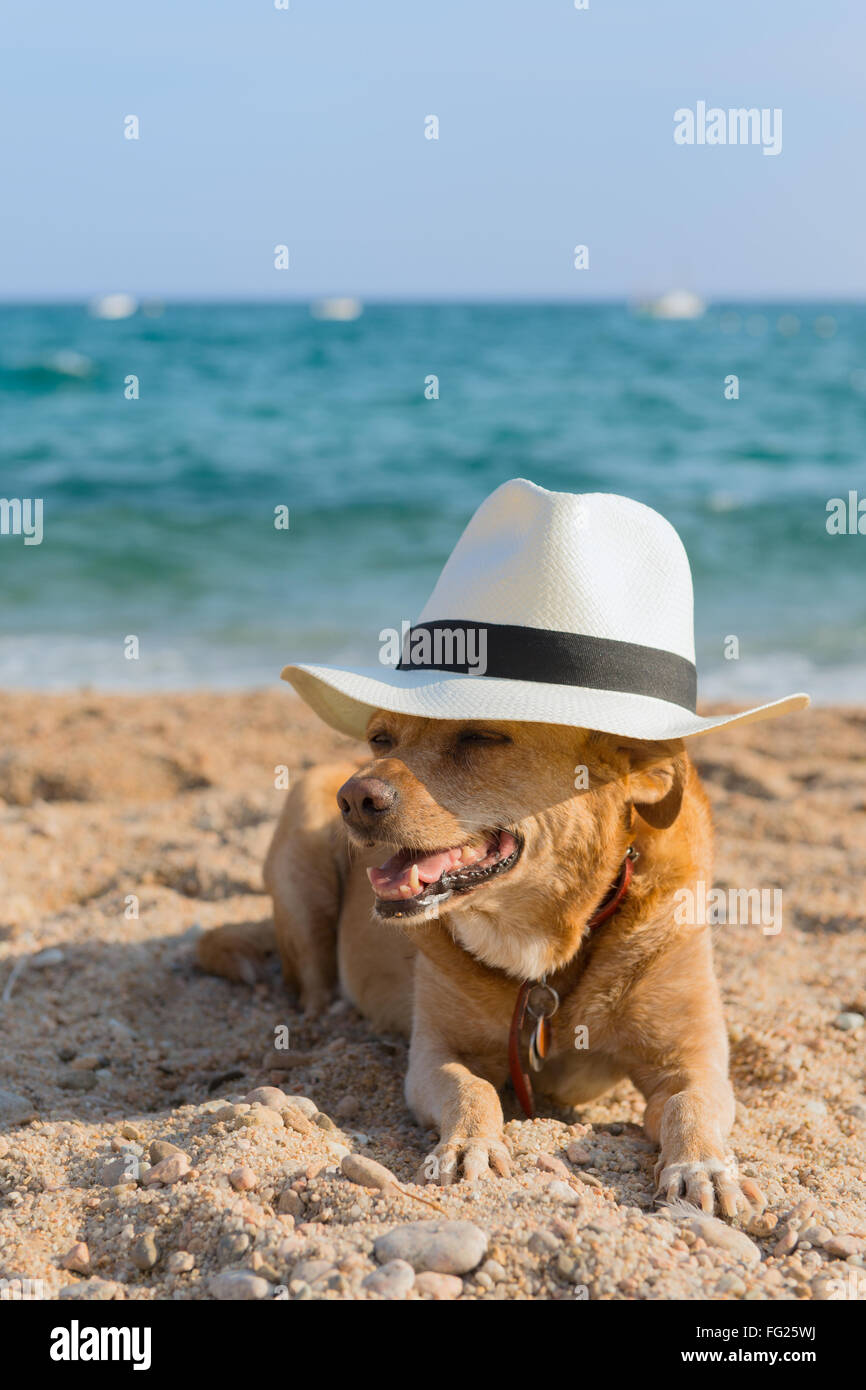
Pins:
x: 589, y: 1178
x: 262, y: 1117
x: 77, y: 1259
x: 843, y: 1246
x: 393, y: 1280
x: 294, y: 1118
x: 167, y: 1171
x: 15, y: 1109
x: 180, y: 1262
x: 160, y: 1149
x: 324, y: 1121
x: 347, y: 1108
x: 438, y: 1286
x: 96, y: 1290
x: 270, y: 1096
x: 238, y: 1285
x: 816, y: 1235
x: 310, y: 1271
x: 232, y: 1245
x: 494, y: 1270
x: 121, y: 1170
x: 816, y: 1107
x: 131, y: 1131
x: 549, y: 1163
x: 446, y: 1247
x: 366, y: 1172
x: 578, y: 1153
x: 849, y: 1021
x: 562, y: 1192
x: 289, y: 1203
x: 542, y: 1243
x: 731, y: 1283
x: 306, y: 1106
x: 722, y: 1237
x: 243, y: 1179
x: 144, y: 1253
x: 78, y: 1081
x: 857, y: 1111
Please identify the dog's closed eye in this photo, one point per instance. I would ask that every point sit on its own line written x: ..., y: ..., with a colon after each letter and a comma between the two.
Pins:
x: 467, y: 736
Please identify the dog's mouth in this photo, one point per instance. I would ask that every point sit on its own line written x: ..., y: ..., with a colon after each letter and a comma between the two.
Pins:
x: 412, y: 880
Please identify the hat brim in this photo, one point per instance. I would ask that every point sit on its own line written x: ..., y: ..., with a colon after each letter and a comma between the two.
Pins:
x: 345, y: 700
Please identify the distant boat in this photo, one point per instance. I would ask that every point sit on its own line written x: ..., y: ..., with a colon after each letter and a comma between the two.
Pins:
x: 676, y: 304
x: 337, y: 310
x: 113, y: 306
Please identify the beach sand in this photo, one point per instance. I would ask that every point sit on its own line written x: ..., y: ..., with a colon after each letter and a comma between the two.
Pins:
x: 113, y: 1039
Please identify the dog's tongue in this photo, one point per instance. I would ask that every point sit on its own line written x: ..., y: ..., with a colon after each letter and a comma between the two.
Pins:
x: 405, y: 875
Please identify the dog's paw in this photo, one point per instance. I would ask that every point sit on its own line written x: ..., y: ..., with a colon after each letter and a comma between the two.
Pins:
x: 465, y: 1159
x: 708, y: 1183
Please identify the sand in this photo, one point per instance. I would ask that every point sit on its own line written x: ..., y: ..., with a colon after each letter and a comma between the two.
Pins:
x: 131, y: 823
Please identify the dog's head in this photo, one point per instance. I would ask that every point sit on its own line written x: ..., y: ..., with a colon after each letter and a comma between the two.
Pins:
x: 487, y: 808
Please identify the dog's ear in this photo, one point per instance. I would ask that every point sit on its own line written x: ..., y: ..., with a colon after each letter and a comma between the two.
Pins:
x: 657, y: 781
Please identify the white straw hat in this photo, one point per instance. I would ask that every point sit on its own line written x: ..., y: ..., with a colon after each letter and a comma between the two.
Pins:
x: 555, y: 608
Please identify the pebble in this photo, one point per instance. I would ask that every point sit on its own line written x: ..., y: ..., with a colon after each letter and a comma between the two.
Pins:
x: 347, y: 1108
x: 262, y: 1117
x: 446, y: 1247
x: 168, y: 1170
x: 578, y: 1153
x: 180, y: 1262
x: 848, y: 1021
x: 289, y: 1203
x: 98, y: 1290
x: 121, y: 1170
x: 549, y: 1163
x: 324, y: 1121
x: 270, y: 1096
x: 160, y: 1149
x: 131, y: 1131
x: 787, y: 1241
x: 562, y: 1192
x: 15, y: 1109
x: 77, y: 1259
x: 717, y: 1234
x: 144, y: 1253
x: 294, y: 1118
x: 392, y: 1280
x: 366, y: 1172
x: 238, y: 1286
x: 309, y: 1271
x: 52, y: 955
x: 542, y: 1243
x: 243, y: 1179
x: 843, y: 1246
x: 232, y: 1245
x: 589, y: 1178
x: 438, y: 1286
x: 816, y: 1235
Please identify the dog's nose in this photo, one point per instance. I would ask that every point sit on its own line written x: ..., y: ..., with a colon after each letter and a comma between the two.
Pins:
x: 363, y: 800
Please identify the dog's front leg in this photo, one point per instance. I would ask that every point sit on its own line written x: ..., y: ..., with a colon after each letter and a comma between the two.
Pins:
x: 446, y: 1094
x: 689, y: 1114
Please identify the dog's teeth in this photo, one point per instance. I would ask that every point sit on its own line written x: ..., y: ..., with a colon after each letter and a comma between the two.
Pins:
x: 414, y: 878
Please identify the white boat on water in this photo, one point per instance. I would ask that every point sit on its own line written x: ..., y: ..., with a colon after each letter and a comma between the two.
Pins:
x: 676, y: 304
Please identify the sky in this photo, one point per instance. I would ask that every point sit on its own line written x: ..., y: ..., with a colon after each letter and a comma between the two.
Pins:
x: 305, y: 128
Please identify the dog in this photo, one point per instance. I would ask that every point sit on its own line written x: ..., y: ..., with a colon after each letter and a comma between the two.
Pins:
x: 465, y: 857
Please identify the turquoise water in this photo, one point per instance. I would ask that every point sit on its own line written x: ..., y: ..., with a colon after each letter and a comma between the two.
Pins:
x: 158, y: 512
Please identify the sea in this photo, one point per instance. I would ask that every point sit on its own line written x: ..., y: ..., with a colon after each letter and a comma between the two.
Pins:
x: 164, y: 444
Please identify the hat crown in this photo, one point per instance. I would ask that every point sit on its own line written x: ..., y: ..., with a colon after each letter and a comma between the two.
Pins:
x: 591, y: 563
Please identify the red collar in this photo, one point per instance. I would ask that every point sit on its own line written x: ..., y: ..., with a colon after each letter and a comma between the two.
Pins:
x: 540, y: 1043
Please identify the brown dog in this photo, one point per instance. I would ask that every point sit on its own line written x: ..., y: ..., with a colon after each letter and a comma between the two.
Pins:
x: 490, y: 846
